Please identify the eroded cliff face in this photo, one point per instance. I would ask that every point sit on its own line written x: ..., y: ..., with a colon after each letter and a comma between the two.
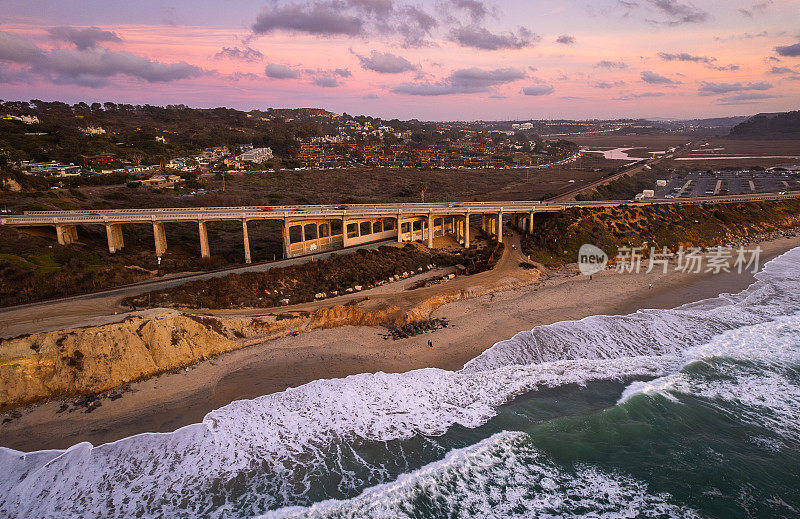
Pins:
x: 99, y: 358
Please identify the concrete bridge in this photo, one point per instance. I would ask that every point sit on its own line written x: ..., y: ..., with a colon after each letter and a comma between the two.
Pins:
x: 309, y: 229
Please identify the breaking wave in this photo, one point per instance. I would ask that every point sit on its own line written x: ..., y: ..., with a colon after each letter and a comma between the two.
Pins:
x: 304, y: 445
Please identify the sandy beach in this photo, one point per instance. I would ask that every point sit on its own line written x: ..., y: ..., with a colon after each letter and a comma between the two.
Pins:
x: 173, y: 400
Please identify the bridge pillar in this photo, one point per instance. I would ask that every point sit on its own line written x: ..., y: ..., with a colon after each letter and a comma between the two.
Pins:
x: 114, y: 237
x: 500, y: 227
x: 430, y: 231
x: 466, y: 231
x: 483, y: 222
x: 530, y: 223
x: 160, y: 236
x: 247, y: 258
x: 66, y: 234
x: 399, y: 228
x: 286, y: 250
x: 205, y: 250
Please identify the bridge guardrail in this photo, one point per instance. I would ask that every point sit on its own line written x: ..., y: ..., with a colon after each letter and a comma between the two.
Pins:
x: 355, y: 211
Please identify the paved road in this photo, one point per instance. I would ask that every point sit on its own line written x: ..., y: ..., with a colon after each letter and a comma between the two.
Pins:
x: 58, y: 314
x: 101, y: 307
x: 100, y: 217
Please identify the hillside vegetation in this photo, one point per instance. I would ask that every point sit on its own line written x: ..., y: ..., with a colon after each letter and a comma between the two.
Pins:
x: 301, y: 283
x: 131, y: 131
x: 774, y: 126
x: 560, y: 235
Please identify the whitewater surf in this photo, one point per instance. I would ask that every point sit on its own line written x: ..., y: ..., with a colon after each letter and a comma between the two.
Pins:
x: 693, y: 411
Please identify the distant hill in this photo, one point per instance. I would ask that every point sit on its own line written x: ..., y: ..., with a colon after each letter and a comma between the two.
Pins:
x: 41, y: 131
x: 772, y: 126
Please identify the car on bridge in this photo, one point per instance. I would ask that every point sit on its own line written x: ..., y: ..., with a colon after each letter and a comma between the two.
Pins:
x: 267, y: 209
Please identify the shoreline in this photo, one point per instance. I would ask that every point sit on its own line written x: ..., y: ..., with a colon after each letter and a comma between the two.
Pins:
x: 167, y: 402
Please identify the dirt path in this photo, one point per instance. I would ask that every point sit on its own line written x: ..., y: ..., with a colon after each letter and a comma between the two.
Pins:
x: 103, y: 307
x: 506, y: 273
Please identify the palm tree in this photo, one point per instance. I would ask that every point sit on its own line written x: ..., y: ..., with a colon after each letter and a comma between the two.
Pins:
x: 422, y: 187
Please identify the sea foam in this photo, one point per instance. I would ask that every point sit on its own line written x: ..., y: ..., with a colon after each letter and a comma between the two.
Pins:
x: 255, y: 455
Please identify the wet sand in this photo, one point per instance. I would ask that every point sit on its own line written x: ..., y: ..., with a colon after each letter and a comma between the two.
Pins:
x: 169, y: 401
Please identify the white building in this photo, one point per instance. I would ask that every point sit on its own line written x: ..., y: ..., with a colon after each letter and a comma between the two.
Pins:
x: 27, y: 119
x: 523, y: 126
x: 256, y: 155
x: 93, y: 130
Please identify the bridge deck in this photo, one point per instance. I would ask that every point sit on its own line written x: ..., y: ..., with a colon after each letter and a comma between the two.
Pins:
x: 305, y: 212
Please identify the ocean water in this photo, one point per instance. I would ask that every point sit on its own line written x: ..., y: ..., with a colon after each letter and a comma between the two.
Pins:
x: 689, y: 412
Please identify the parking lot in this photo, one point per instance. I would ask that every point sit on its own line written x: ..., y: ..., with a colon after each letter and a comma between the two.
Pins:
x: 721, y: 183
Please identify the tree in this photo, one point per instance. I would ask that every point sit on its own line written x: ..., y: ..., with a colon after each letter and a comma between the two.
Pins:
x: 422, y: 187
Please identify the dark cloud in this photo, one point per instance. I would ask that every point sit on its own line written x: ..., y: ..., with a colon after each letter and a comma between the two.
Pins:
x: 83, y: 39
x: 476, y: 10
x: 326, y: 81
x: 463, y: 81
x: 745, y: 36
x: 678, y: 13
x: 385, y: 63
x: 538, y: 90
x: 745, y: 99
x: 90, y: 67
x: 710, y: 88
x: 342, y: 72
x: 683, y: 56
x: 481, y: 38
x: 244, y: 54
x: 786, y: 72
x: 631, y: 97
x: 611, y: 65
x: 414, y: 25
x: 325, y: 19
x: 348, y: 18
x: 671, y: 12
x: 758, y: 7
x: 275, y: 71
x: 790, y: 51
x: 648, y: 76
x: 376, y: 7
x: 19, y: 50
x: 607, y: 84
x: 708, y: 62
x: 566, y: 39
x: 238, y: 76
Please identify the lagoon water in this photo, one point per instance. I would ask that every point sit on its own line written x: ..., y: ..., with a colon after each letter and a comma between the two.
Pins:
x: 689, y: 412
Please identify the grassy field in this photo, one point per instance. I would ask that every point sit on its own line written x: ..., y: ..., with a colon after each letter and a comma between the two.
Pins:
x: 644, y: 142
x: 755, y: 151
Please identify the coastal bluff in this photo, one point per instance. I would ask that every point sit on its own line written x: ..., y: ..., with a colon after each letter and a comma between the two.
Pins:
x: 94, y: 359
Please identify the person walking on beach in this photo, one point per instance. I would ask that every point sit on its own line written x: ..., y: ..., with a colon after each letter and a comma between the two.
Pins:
x: 430, y: 343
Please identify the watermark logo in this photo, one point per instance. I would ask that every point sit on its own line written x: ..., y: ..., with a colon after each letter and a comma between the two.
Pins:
x: 591, y: 259
x: 690, y: 260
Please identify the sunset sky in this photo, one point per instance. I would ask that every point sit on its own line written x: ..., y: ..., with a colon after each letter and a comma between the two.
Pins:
x: 425, y: 59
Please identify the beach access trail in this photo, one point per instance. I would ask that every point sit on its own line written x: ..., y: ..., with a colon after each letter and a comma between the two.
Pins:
x: 172, y: 400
